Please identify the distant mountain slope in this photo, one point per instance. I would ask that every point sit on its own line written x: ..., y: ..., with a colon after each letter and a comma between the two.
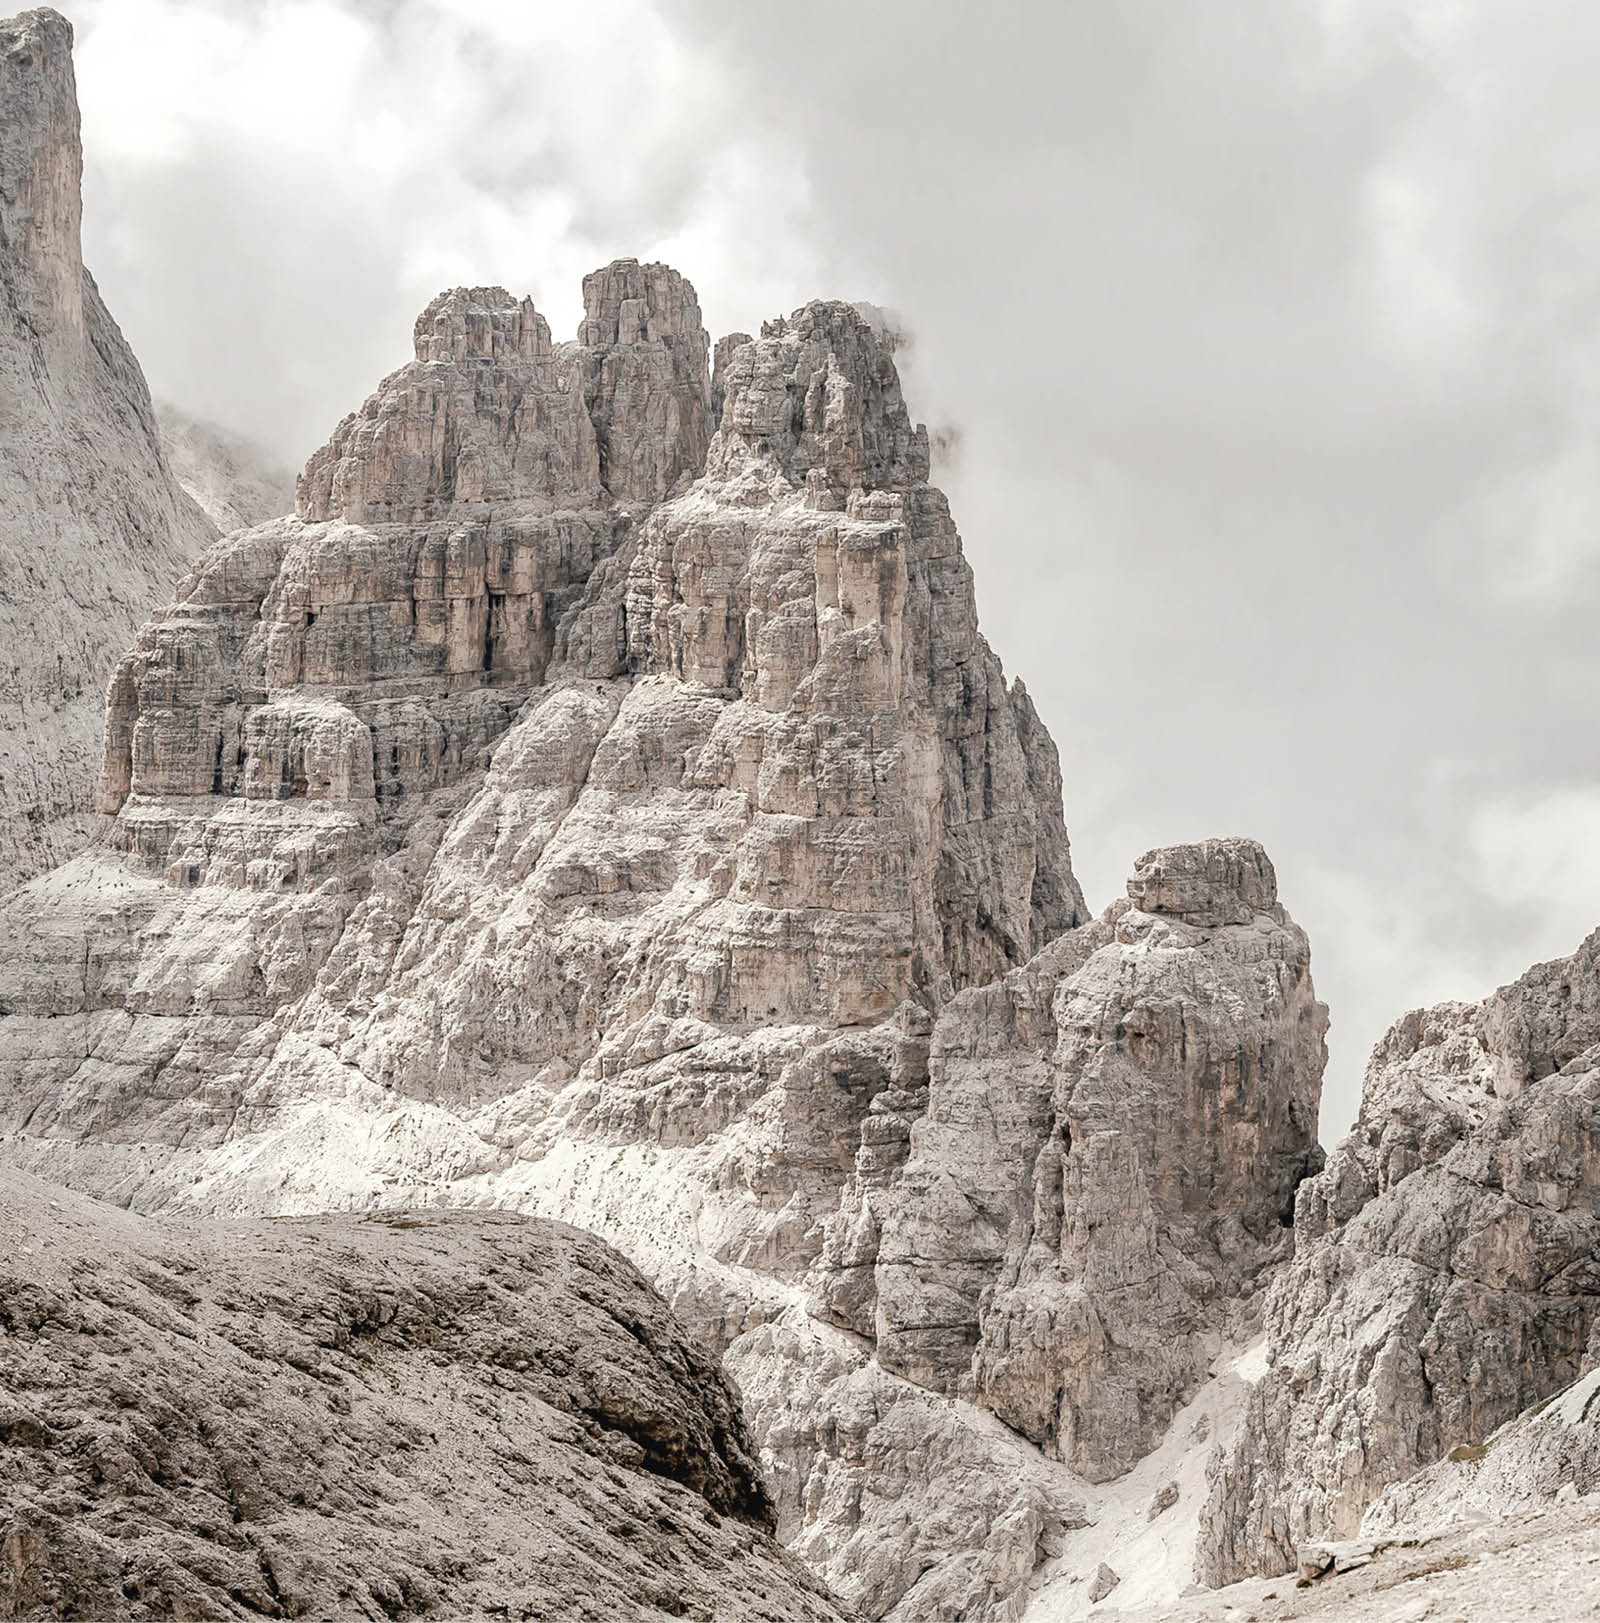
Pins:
x: 237, y: 483
x: 94, y: 529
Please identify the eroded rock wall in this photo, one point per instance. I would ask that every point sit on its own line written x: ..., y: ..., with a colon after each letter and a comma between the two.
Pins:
x: 1447, y: 1266
x: 95, y: 531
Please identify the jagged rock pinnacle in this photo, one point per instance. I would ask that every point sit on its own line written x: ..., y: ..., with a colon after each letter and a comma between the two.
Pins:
x: 94, y: 530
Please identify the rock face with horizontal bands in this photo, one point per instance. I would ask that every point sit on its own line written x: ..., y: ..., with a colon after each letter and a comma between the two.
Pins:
x: 427, y: 1414
x: 1447, y: 1266
x: 576, y: 810
x: 94, y: 529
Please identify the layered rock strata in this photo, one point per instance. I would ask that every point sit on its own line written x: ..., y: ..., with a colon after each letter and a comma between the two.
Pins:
x: 409, y: 1415
x: 1447, y: 1266
x: 94, y: 529
x: 569, y: 811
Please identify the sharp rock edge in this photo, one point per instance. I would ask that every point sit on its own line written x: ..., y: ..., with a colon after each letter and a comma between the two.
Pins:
x: 94, y: 529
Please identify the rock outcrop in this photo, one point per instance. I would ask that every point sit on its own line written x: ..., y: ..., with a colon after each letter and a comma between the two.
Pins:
x: 408, y: 1415
x: 1549, y: 1455
x: 94, y: 530
x: 1447, y: 1266
x: 235, y: 482
x: 575, y: 809
x: 1104, y: 1165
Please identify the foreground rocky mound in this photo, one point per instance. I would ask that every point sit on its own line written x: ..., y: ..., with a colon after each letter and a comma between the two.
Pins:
x: 94, y: 529
x: 1446, y: 1272
x: 420, y: 1415
x: 599, y: 800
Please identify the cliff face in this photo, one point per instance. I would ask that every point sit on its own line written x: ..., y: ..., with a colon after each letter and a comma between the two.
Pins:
x: 575, y: 809
x: 94, y: 530
x: 1103, y: 1166
x: 1447, y: 1266
x: 462, y: 1415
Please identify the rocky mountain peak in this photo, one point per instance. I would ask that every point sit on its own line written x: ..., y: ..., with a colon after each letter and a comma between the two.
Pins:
x: 1211, y: 883
x: 491, y: 413
x: 480, y: 324
x: 817, y: 399
x: 86, y: 494
x: 41, y: 170
x: 629, y: 303
x: 598, y: 801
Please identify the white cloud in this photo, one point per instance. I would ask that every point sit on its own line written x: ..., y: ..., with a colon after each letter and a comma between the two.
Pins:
x: 274, y: 190
x: 1540, y: 851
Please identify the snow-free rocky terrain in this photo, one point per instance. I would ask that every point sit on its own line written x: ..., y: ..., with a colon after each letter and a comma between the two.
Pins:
x: 94, y: 529
x: 470, y: 1415
x: 597, y: 801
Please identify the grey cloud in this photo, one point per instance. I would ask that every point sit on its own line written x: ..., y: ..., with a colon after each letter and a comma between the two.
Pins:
x: 1266, y: 330
x: 1230, y: 478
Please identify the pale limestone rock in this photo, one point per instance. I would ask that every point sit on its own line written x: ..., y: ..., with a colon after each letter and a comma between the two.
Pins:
x: 1447, y: 1267
x: 1103, y: 1166
x: 911, y: 1506
x: 487, y: 834
x: 94, y: 529
x: 723, y: 352
x: 643, y: 365
x: 1104, y: 1581
x: 1550, y: 1454
x: 468, y: 1415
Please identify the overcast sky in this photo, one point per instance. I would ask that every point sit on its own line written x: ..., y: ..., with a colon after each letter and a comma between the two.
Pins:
x: 1270, y: 330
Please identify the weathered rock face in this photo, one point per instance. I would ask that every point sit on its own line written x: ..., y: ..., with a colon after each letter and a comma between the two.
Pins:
x: 497, y: 831
x: 541, y: 819
x: 236, y: 483
x: 765, y: 784
x: 1104, y: 1164
x: 410, y: 1415
x: 492, y: 412
x: 94, y: 530
x: 1447, y: 1267
x: 1548, y: 1455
